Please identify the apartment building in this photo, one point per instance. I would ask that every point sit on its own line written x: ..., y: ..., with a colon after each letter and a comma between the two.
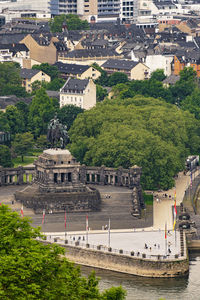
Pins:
x: 91, y: 10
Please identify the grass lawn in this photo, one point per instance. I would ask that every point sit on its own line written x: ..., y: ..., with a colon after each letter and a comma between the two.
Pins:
x: 27, y: 160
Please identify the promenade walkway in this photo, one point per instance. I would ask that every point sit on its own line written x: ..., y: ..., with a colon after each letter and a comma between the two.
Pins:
x: 148, y: 242
x: 164, y: 201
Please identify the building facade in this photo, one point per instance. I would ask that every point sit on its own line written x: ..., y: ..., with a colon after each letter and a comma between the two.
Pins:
x: 91, y: 10
x: 81, y: 93
x: 29, y: 76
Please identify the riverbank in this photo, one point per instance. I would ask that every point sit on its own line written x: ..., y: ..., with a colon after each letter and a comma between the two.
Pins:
x: 136, y: 252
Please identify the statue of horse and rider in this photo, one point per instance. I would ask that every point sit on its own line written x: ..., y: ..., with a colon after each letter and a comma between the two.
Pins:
x: 57, y: 132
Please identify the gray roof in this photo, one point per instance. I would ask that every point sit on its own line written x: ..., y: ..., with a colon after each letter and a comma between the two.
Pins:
x: 12, y: 100
x: 28, y: 73
x: 172, y: 79
x: 75, y: 86
x: 119, y: 64
x: 91, y: 53
x: 71, y: 68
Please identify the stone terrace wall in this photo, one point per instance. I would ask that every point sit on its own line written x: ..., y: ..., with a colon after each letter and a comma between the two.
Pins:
x: 127, y: 264
x: 87, y: 175
x: 20, y: 175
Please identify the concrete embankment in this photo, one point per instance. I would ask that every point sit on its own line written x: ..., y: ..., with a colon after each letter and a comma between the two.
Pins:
x: 127, y: 264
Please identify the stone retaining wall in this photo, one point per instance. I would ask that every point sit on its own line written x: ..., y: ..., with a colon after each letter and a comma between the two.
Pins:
x: 125, y: 264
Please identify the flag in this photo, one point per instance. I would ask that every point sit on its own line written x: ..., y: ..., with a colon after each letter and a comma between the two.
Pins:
x: 43, y: 216
x: 65, y: 219
x: 175, y: 213
x: 22, y: 211
x: 165, y: 230
x: 87, y: 223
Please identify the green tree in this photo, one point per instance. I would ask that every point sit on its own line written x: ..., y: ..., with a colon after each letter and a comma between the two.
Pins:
x: 117, y: 77
x: 158, y: 75
x: 192, y: 103
x: 23, y: 110
x: 72, y: 22
x: 5, y: 157
x: 55, y: 84
x: 10, y: 81
x: 4, y: 124
x: 103, y: 79
x: 23, y: 143
x: 33, y: 270
x: 185, y: 85
x: 48, y: 69
x: 15, y: 120
x: 41, y: 111
x: 68, y: 113
x: 101, y: 93
x: 41, y: 142
x: 36, y: 85
x: 147, y: 132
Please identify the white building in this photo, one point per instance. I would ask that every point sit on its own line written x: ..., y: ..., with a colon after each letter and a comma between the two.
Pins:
x: 81, y: 93
x: 158, y: 61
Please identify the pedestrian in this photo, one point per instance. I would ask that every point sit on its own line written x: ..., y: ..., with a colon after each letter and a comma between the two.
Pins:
x: 150, y: 249
x: 158, y: 246
x: 155, y: 245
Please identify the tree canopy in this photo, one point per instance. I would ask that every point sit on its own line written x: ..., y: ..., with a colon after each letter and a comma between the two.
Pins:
x: 5, y: 157
x: 70, y: 21
x: 10, y: 81
x: 144, y: 131
x: 68, y: 113
x: 158, y: 75
x: 15, y: 119
x: 32, y: 270
x: 23, y: 143
x: 50, y: 70
x: 41, y: 111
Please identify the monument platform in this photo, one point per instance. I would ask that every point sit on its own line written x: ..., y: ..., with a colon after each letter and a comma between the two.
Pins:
x: 57, y: 186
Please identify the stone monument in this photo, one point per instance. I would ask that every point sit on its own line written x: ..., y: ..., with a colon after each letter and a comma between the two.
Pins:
x: 57, y: 186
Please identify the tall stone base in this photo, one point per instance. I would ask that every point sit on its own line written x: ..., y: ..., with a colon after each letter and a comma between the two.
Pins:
x: 83, y: 201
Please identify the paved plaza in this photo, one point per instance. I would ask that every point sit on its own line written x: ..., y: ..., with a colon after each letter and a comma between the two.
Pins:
x: 132, y: 240
x: 124, y: 228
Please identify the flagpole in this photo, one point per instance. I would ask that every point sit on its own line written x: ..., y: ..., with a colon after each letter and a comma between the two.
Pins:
x: 175, y: 214
x: 109, y: 233
x: 87, y: 229
x: 166, y: 238
x: 43, y: 216
x: 175, y: 235
x: 65, y: 223
x: 22, y: 211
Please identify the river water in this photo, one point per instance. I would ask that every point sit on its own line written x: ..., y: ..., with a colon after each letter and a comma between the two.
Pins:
x: 140, y: 288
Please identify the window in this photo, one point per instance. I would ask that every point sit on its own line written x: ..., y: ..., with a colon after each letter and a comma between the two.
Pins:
x: 69, y: 177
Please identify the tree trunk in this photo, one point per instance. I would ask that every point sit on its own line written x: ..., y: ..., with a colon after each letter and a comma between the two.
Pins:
x: 22, y: 158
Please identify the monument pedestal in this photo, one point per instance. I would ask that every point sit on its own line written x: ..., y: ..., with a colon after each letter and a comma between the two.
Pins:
x: 57, y: 185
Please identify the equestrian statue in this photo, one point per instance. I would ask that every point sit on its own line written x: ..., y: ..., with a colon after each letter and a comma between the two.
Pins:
x: 56, y: 133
